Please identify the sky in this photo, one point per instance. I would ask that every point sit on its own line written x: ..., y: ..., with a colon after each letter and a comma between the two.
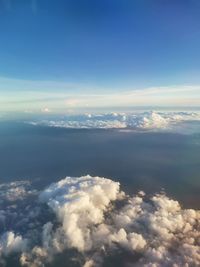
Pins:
x: 70, y: 54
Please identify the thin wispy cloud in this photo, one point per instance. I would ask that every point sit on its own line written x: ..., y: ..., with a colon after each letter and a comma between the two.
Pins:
x: 58, y: 96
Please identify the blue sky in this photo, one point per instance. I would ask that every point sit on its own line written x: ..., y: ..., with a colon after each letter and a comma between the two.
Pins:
x: 75, y: 49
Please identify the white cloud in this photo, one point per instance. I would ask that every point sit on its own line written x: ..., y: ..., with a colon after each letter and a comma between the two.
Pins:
x: 11, y: 243
x: 17, y: 190
x: 45, y: 110
x: 143, y: 120
x: 157, y: 228
x: 93, y: 216
x: 79, y: 203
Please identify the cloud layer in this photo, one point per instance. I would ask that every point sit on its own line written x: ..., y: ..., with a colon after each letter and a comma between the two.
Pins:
x: 92, y: 216
x: 138, y: 121
x: 61, y: 96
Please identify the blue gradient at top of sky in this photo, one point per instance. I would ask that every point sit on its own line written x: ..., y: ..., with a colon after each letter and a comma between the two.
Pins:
x: 105, y: 41
x: 115, y: 44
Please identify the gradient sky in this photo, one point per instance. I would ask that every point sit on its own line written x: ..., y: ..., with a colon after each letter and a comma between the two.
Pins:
x: 72, y: 53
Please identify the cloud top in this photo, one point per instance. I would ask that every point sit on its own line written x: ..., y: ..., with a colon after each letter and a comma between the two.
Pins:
x: 138, y: 121
x: 79, y: 203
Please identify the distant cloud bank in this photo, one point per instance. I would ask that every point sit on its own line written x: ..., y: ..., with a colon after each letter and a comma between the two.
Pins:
x: 138, y: 121
x: 94, y: 218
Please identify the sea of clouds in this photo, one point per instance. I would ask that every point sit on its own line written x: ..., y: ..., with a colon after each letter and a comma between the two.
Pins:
x: 142, y: 120
x: 95, y: 218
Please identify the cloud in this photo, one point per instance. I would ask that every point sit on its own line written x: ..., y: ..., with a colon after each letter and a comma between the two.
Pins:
x: 79, y: 203
x: 20, y: 95
x: 73, y: 102
x: 143, y: 120
x: 45, y: 110
x: 17, y: 190
x: 11, y: 243
x: 155, y: 228
x: 94, y: 217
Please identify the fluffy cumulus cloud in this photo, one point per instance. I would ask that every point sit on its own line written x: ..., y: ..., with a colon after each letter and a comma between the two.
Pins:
x: 142, y: 121
x: 94, y: 218
x: 79, y: 204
